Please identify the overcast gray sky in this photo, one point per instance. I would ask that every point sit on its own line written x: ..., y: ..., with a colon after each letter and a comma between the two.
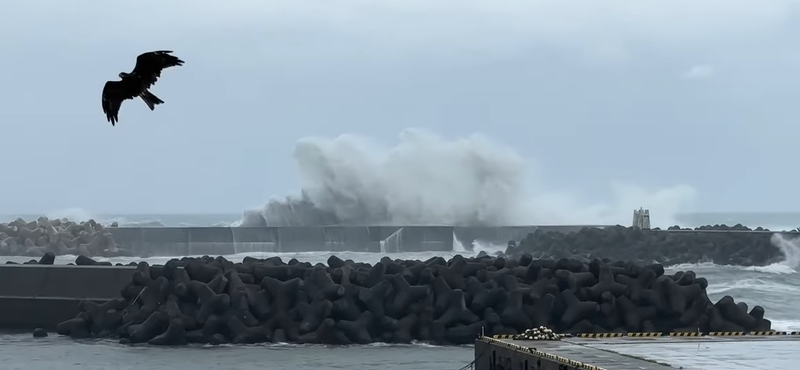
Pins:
x: 614, y: 103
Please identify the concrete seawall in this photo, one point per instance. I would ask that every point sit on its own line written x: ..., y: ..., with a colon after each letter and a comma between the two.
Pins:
x: 44, y: 295
x: 183, y: 241
x: 641, y: 351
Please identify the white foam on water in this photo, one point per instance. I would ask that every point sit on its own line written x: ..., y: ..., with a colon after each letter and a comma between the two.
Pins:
x: 692, y: 266
x: 785, y: 325
x: 490, y: 249
x: 762, y: 284
x: 789, y: 247
x: 791, y: 251
x: 477, y: 247
x: 775, y: 268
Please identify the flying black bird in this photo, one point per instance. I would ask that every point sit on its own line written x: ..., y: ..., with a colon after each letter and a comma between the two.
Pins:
x: 146, y: 72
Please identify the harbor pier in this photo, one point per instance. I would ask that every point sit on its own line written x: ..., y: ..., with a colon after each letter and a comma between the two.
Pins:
x: 641, y: 351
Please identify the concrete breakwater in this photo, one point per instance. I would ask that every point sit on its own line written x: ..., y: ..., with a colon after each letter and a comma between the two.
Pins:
x: 89, y: 238
x: 213, y: 300
x: 42, y: 295
x: 719, y: 244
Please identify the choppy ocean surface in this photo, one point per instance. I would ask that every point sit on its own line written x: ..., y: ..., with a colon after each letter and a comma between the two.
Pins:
x: 775, y: 287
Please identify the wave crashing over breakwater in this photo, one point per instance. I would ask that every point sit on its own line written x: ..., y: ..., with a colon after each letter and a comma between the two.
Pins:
x: 428, y: 180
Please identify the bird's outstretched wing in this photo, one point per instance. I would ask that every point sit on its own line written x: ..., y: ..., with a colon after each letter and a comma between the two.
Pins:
x: 114, y: 93
x: 149, y: 66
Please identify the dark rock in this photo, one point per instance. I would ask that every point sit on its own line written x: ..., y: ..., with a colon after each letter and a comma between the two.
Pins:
x: 670, y: 247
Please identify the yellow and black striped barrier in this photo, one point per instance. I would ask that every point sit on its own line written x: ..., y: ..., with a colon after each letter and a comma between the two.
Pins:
x: 670, y: 334
x: 684, y: 334
x: 730, y: 333
x: 505, y: 336
x: 726, y: 333
x: 774, y: 332
x: 600, y: 335
x: 642, y: 335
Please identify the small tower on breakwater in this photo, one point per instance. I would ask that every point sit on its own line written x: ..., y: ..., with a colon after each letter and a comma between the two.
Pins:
x: 641, y: 218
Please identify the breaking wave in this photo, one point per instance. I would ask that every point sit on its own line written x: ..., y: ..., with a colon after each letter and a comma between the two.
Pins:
x: 426, y: 179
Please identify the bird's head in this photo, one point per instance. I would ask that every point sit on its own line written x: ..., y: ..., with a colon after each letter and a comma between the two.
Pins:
x: 123, y: 75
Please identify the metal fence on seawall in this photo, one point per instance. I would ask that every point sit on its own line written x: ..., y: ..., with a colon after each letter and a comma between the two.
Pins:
x: 184, y: 241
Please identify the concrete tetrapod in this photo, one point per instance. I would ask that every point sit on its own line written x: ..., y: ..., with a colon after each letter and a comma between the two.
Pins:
x: 212, y: 300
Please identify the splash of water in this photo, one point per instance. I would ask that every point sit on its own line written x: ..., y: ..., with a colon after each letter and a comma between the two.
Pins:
x: 429, y: 180
x: 791, y: 252
x: 789, y: 247
x: 457, y: 246
x: 490, y: 249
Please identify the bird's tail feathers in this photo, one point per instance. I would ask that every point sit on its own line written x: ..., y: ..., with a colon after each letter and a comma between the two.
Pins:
x: 150, y: 99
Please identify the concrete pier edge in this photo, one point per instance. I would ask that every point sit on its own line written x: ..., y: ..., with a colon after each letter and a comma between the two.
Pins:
x: 540, y: 352
x: 545, y: 360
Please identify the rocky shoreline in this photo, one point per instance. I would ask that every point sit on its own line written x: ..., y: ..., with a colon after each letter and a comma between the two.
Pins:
x: 58, y: 236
